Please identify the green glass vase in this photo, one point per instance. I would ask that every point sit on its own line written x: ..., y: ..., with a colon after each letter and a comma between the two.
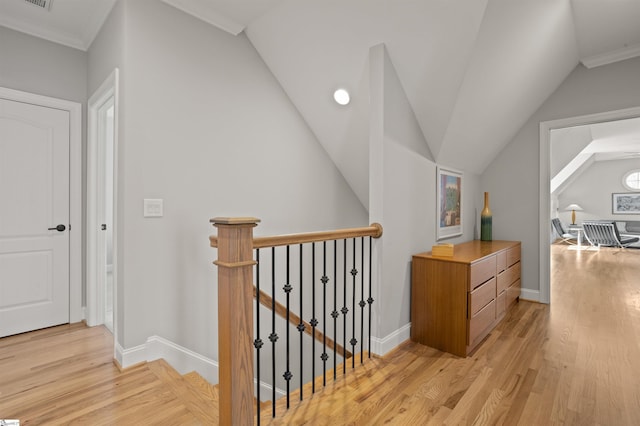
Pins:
x: 486, y: 220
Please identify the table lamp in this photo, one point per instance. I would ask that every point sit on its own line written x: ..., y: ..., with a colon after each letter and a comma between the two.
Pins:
x: 573, y: 208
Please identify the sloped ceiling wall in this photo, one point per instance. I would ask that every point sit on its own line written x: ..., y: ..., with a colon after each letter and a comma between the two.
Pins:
x: 524, y: 50
x: 474, y: 71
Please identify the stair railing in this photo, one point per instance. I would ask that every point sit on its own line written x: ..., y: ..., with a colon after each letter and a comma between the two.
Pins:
x: 236, y: 291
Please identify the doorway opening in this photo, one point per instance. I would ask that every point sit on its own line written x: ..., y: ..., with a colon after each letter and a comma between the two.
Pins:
x: 101, y: 205
x: 546, y: 209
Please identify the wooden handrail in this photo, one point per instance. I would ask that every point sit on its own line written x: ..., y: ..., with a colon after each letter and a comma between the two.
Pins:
x: 374, y: 230
x: 267, y: 301
x: 236, y: 244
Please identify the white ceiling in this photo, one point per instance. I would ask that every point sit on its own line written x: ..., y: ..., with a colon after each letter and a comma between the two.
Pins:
x: 474, y: 71
x: 575, y: 149
x: 618, y: 137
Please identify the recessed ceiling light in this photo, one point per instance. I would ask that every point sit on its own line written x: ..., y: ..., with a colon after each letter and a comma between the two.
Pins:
x: 341, y: 96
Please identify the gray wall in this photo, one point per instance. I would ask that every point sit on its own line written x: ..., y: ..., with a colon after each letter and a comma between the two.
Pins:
x: 402, y: 193
x: 513, y: 177
x: 593, y: 188
x: 37, y: 66
x: 107, y: 50
x: 207, y: 129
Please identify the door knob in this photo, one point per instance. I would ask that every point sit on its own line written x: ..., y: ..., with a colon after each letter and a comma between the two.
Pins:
x: 103, y: 226
x: 59, y: 228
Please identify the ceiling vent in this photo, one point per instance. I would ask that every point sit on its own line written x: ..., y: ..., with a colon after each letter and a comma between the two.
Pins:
x: 43, y: 4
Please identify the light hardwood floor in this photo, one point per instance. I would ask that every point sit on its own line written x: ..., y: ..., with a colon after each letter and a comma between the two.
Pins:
x: 66, y: 376
x: 576, y: 361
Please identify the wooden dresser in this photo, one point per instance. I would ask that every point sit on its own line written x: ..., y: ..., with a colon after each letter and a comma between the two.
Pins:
x: 457, y: 300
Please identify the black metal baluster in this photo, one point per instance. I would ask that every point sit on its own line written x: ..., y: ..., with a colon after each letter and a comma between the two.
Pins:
x: 334, y: 313
x: 324, y: 280
x: 362, y: 303
x: 353, y: 340
x: 287, y: 290
x: 273, y: 337
x: 301, y: 328
x: 257, y: 343
x: 370, y: 299
x: 344, y: 309
x: 313, y: 321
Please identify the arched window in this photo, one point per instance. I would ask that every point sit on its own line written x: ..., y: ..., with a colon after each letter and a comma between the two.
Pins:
x: 631, y: 180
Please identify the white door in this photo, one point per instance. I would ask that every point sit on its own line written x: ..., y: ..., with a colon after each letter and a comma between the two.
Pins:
x: 104, y: 192
x: 34, y: 197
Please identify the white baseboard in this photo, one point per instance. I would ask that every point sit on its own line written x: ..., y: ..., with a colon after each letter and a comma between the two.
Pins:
x: 266, y: 391
x: 132, y: 356
x: 532, y: 295
x: 382, y: 346
x: 183, y: 360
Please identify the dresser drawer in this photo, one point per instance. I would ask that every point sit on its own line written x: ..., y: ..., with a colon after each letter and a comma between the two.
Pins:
x: 513, y: 293
x: 482, y: 271
x: 514, y: 270
x: 508, y: 277
x: 513, y: 255
x: 501, y: 305
x: 481, y: 296
x: 481, y: 321
x: 502, y: 282
x: 501, y: 261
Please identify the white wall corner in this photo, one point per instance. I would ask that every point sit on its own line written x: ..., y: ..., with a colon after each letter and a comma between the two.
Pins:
x: 118, y: 354
x: 130, y: 357
x: 382, y: 346
x: 531, y: 295
x: 182, y: 359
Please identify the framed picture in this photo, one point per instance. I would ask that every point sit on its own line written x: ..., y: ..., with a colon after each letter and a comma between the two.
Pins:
x: 449, y: 203
x: 626, y: 203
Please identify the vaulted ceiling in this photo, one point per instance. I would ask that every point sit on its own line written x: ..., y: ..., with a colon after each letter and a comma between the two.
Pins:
x: 474, y: 71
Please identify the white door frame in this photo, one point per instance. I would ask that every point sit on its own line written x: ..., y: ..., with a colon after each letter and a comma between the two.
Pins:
x: 108, y: 89
x: 75, y: 188
x: 545, y: 179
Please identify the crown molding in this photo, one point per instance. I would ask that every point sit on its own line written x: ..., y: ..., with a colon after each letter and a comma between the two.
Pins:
x: 611, y: 57
x: 56, y: 32
x: 206, y: 13
x: 44, y: 33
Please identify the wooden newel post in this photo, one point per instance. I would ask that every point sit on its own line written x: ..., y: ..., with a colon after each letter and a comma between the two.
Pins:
x: 235, y: 318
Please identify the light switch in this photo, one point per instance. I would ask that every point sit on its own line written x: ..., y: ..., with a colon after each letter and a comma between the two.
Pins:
x: 153, y: 207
